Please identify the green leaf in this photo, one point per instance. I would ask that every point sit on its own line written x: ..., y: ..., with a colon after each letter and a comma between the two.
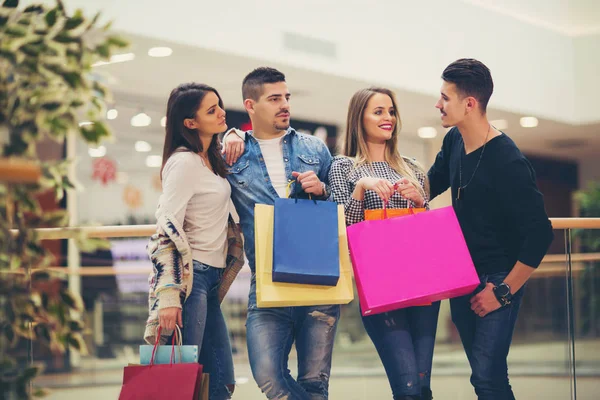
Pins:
x: 40, y: 392
x: 11, y: 3
x: 52, y: 106
x: 76, y: 341
x: 69, y: 299
x: 34, y: 9
x: 42, y: 332
x: 76, y: 326
x: 117, y: 41
x: 8, y: 55
x: 51, y: 17
x: 29, y: 373
x: 73, y: 79
x: 64, y: 37
x: 103, y: 50
x: 16, y: 31
x: 66, y: 183
x: 74, y: 22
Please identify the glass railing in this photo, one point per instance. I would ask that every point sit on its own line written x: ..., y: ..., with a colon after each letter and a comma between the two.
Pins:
x: 555, y: 351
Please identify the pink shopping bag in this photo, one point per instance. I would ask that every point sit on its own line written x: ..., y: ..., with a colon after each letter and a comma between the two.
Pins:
x: 411, y: 260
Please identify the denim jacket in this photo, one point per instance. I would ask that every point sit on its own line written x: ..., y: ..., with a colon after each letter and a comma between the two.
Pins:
x: 251, y: 185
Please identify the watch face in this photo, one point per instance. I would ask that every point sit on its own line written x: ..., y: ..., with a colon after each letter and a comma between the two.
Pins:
x: 502, y: 290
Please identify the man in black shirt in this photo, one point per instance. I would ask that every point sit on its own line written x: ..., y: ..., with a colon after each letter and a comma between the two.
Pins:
x: 502, y: 216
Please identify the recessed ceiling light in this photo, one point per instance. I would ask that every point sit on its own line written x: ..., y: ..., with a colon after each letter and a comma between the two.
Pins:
x: 141, y: 119
x: 96, y: 152
x: 529, y: 122
x: 86, y: 123
x: 427, y: 132
x: 160, y: 52
x: 112, y: 113
x: 142, y: 147
x: 153, y: 161
x: 163, y: 121
x: 499, y: 124
x: 117, y: 58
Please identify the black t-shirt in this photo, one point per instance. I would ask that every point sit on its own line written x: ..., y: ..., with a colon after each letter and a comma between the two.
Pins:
x: 501, y: 211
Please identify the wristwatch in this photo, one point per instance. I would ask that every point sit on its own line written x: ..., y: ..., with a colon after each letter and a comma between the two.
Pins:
x: 502, y: 292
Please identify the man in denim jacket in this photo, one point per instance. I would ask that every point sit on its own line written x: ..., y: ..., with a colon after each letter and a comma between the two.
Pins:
x: 272, y: 155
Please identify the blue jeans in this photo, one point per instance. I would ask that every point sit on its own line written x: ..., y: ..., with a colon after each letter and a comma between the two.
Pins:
x: 270, y: 334
x: 487, y: 341
x: 405, y: 339
x: 205, y: 327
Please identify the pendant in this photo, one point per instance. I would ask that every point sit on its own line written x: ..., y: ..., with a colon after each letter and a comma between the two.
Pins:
x: 458, y: 195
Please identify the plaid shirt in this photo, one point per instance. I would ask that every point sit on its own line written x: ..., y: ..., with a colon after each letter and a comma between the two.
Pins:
x: 343, y: 177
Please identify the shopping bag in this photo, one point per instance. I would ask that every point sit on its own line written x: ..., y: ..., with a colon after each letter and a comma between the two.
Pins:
x: 277, y: 294
x: 162, y: 381
x: 305, y: 242
x: 408, y: 261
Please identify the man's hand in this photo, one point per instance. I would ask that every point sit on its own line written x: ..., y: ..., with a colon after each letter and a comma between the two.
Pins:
x: 233, y: 147
x: 310, y: 182
x: 485, y: 301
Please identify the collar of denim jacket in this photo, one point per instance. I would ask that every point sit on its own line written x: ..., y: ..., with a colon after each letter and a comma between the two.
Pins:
x: 290, y: 131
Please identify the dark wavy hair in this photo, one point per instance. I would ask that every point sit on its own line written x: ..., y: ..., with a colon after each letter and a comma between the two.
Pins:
x: 183, y: 103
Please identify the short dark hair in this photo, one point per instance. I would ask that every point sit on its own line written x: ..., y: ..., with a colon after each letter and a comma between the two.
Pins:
x: 253, y: 82
x: 472, y: 78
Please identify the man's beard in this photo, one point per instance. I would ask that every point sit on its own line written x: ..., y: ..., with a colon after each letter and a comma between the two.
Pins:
x: 282, y: 127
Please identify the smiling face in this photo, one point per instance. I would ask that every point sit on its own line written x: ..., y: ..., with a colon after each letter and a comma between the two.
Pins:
x: 379, y: 118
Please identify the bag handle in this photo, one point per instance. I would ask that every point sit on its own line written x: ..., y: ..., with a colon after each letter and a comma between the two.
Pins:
x: 176, y: 337
x: 385, y: 204
x: 287, y: 191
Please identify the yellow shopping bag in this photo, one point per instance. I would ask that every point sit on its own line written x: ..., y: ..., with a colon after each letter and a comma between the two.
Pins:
x: 277, y: 294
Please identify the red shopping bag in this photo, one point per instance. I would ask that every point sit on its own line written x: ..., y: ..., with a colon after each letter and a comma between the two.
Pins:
x: 162, y: 381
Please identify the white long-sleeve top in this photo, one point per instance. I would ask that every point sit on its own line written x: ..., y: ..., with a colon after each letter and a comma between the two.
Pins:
x: 199, y: 201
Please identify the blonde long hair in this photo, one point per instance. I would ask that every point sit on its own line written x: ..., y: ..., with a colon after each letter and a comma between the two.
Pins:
x: 355, y: 145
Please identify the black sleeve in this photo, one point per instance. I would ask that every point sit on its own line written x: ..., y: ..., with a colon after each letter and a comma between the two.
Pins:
x: 524, y: 207
x: 439, y: 173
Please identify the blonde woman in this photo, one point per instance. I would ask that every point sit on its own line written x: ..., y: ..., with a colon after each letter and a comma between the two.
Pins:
x: 372, y: 172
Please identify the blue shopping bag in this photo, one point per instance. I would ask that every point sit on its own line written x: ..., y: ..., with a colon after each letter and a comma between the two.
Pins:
x: 305, y: 242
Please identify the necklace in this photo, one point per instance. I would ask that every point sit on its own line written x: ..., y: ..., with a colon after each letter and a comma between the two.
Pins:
x: 460, y: 186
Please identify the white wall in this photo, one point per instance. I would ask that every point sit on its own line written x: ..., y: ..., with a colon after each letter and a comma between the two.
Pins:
x: 587, y: 77
x: 400, y: 43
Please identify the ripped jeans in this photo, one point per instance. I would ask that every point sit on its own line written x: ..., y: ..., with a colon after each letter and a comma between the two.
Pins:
x: 404, y: 339
x: 205, y: 327
x: 270, y: 334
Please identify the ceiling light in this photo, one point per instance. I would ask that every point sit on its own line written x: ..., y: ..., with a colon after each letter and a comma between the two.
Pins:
x: 112, y: 113
x: 117, y: 58
x: 153, y: 161
x: 163, y: 121
x: 427, y: 132
x: 86, y: 123
x: 141, y: 119
x: 499, y: 124
x: 96, y: 152
x: 160, y: 52
x: 142, y: 147
x: 529, y: 122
